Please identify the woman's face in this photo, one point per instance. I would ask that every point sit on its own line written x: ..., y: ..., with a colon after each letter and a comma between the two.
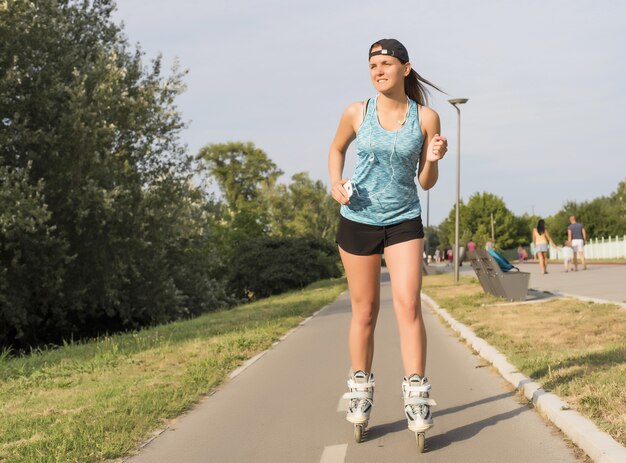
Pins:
x: 387, y: 72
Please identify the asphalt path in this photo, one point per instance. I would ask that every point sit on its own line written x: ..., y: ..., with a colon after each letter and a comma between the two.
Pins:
x: 286, y: 406
x: 599, y: 281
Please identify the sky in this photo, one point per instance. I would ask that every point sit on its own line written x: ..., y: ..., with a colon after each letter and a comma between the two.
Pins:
x: 546, y: 82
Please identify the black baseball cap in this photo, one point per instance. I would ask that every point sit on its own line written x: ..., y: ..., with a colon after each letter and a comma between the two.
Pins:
x: 391, y: 47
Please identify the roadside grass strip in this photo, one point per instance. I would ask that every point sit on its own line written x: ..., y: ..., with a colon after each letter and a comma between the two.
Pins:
x: 97, y: 400
x: 574, y: 349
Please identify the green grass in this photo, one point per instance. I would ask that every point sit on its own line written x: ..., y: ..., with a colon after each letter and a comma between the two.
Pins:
x: 92, y: 401
x: 573, y: 348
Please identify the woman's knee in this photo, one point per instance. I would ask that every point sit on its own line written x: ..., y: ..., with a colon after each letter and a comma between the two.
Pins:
x: 408, y: 308
x: 364, y: 313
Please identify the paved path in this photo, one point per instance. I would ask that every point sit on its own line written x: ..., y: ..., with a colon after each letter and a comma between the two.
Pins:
x: 598, y: 281
x: 286, y: 406
x: 601, y: 281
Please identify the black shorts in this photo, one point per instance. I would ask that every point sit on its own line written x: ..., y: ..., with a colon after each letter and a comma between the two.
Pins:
x: 365, y: 240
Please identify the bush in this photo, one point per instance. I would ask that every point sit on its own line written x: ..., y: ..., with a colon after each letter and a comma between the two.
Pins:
x: 32, y: 258
x: 268, y: 266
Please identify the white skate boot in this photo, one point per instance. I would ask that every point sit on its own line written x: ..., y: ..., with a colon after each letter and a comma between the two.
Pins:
x: 361, y: 395
x: 417, y: 403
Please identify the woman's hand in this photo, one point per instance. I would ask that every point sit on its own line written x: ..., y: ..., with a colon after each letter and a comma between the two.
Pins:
x: 437, y: 148
x: 338, y: 193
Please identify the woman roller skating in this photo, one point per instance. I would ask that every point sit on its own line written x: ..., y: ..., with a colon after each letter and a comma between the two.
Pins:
x: 397, y: 137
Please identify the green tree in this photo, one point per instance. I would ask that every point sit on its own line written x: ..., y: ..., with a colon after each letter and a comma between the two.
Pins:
x: 557, y: 223
x: 178, y: 233
x: 302, y: 208
x: 445, y: 231
x: 475, y: 221
x: 241, y: 170
x: 527, y: 223
x: 432, y: 239
x: 602, y: 217
x: 32, y: 259
x: 95, y: 132
x: 245, y: 175
x: 273, y: 265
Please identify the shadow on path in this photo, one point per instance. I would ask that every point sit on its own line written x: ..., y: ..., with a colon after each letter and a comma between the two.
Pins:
x: 458, y: 408
x: 465, y: 432
x: 381, y: 430
x: 468, y: 431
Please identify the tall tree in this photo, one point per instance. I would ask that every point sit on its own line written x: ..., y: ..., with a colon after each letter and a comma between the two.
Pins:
x: 432, y: 239
x: 445, y: 231
x: 241, y: 170
x: 475, y: 221
x: 32, y: 258
x: 619, y: 199
x: 602, y: 217
x: 244, y: 175
x: 99, y: 132
x: 303, y: 207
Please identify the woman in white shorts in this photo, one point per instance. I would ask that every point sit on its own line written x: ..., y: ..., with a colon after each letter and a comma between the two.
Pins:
x: 540, y: 240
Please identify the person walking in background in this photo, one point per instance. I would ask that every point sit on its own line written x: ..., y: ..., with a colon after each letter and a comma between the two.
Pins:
x: 577, y: 235
x: 540, y: 240
x: 397, y: 136
x: 471, y: 246
x: 568, y: 255
x: 524, y: 255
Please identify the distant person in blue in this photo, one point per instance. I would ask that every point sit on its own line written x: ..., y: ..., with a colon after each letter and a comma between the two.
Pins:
x: 397, y: 138
x: 577, y: 235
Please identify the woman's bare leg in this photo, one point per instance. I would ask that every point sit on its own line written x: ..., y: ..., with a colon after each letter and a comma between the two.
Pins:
x: 542, y: 262
x: 404, y: 261
x: 363, y: 273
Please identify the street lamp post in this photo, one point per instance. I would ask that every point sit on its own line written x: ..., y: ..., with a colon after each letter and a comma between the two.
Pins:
x: 454, y: 102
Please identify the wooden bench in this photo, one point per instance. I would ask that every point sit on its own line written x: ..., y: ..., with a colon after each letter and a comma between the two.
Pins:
x: 511, y: 285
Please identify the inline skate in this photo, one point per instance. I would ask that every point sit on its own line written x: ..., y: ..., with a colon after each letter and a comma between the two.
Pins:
x: 417, y: 403
x: 361, y: 395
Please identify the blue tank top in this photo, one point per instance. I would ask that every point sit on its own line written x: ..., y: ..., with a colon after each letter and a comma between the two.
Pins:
x: 385, y: 192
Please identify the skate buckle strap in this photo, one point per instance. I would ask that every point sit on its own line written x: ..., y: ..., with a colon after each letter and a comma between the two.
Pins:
x: 354, y: 385
x: 423, y: 388
x: 419, y: 401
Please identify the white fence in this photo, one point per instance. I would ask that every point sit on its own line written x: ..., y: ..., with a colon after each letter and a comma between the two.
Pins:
x: 600, y: 248
x: 609, y: 248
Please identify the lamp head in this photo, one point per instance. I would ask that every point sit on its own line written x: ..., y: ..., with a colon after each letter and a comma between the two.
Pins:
x: 456, y: 101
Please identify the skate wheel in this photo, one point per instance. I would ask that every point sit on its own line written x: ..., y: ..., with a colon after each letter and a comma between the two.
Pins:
x: 358, y: 433
x: 420, y: 437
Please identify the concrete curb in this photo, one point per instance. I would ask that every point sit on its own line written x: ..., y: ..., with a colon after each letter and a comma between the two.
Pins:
x: 599, y: 445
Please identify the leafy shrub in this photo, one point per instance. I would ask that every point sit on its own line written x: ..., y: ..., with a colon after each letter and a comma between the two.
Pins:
x: 31, y: 259
x: 268, y: 266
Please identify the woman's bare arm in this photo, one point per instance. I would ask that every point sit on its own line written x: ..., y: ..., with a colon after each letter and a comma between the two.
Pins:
x: 346, y: 133
x: 433, y: 150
